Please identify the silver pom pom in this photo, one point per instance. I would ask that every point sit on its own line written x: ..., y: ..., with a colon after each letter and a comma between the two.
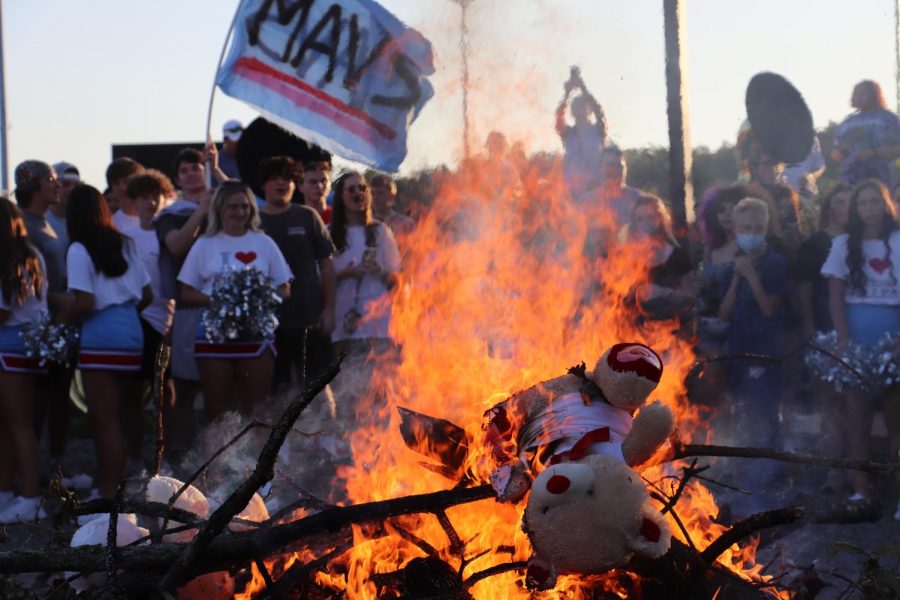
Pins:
x: 861, y: 367
x: 243, y: 305
x: 48, y: 342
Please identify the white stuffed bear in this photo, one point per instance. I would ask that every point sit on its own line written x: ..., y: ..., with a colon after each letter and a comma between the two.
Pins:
x: 589, y: 517
x: 588, y: 511
x: 581, y: 413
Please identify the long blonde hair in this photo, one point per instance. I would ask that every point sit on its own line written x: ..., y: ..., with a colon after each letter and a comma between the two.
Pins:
x: 226, y: 190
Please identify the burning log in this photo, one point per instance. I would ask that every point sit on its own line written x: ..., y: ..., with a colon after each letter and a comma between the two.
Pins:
x: 236, y: 548
x: 681, y: 569
x: 683, y: 572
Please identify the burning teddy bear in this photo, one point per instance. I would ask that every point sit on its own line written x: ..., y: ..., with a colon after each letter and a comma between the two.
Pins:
x: 588, y: 511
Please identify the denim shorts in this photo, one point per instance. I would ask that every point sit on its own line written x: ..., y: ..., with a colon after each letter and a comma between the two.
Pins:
x: 112, y: 340
x: 869, y: 322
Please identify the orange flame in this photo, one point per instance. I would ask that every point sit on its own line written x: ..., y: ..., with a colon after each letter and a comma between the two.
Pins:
x: 493, y: 301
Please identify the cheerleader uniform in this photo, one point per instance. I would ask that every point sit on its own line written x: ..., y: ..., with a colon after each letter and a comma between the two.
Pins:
x: 111, y: 336
x: 13, y: 358
x: 212, y: 255
x: 877, y: 311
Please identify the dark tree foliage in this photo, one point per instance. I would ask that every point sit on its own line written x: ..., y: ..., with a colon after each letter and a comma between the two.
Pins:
x: 648, y: 170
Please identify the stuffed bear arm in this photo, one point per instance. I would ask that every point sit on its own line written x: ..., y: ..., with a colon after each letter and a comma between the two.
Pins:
x: 652, y: 427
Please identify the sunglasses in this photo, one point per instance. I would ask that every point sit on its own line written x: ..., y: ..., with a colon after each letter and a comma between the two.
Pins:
x: 362, y: 188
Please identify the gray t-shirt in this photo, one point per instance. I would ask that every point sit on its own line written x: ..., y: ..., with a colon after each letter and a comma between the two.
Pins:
x: 59, y: 226
x: 172, y: 218
x: 44, y: 238
x: 303, y: 240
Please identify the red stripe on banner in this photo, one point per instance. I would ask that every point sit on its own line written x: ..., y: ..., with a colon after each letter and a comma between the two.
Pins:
x: 315, y: 99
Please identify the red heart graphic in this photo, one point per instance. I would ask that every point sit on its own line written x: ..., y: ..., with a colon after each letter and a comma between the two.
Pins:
x: 245, y: 257
x: 879, y: 264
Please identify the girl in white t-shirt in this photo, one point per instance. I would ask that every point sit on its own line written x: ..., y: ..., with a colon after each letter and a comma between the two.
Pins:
x: 232, y: 239
x: 366, y: 265
x: 110, y: 287
x: 23, y: 299
x: 863, y: 269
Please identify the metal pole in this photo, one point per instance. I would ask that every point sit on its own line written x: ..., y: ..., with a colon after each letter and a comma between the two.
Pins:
x: 897, y: 50
x: 681, y: 192
x: 212, y: 92
x: 4, y: 162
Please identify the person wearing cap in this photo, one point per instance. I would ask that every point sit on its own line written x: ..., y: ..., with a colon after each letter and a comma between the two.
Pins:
x: 37, y: 190
x: 117, y: 174
x: 57, y: 394
x: 231, y: 135
x: 68, y: 176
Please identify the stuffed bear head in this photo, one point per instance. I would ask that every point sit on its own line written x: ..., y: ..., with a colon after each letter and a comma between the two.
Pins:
x: 589, y: 517
x: 627, y: 374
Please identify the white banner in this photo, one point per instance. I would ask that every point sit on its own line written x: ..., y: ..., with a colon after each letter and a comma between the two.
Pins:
x: 343, y: 74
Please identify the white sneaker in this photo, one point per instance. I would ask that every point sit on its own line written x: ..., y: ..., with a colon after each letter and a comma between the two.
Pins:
x: 22, y: 509
x: 78, y: 482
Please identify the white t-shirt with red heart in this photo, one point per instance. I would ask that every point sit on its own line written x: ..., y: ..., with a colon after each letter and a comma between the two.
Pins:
x: 882, y: 271
x: 210, y: 255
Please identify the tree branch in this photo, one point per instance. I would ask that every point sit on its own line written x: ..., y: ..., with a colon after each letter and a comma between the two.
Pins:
x: 236, y: 548
x: 681, y: 450
x: 749, y: 526
x: 264, y: 471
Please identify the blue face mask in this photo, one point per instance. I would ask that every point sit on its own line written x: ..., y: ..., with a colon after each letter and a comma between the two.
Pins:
x: 750, y: 243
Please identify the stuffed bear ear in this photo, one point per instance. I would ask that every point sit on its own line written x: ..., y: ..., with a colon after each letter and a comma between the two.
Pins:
x: 654, y: 537
x: 539, y: 575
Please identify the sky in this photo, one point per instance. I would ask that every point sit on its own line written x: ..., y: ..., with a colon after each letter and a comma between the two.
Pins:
x: 82, y: 75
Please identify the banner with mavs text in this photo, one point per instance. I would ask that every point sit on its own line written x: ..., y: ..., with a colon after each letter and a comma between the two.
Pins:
x: 346, y: 75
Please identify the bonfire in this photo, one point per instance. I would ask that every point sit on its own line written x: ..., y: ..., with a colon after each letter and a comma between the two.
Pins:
x: 498, y: 295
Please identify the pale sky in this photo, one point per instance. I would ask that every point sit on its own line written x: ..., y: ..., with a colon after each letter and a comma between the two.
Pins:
x: 82, y: 75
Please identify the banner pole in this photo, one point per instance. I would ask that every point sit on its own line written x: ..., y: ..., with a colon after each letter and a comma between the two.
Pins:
x: 212, y: 92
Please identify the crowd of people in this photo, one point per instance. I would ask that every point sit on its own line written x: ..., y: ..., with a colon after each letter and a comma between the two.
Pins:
x: 768, y: 263
x: 133, y: 268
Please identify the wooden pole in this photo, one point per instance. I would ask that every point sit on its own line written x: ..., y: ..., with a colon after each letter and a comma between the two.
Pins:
x: 464, y: 49
x: 681, y: 192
